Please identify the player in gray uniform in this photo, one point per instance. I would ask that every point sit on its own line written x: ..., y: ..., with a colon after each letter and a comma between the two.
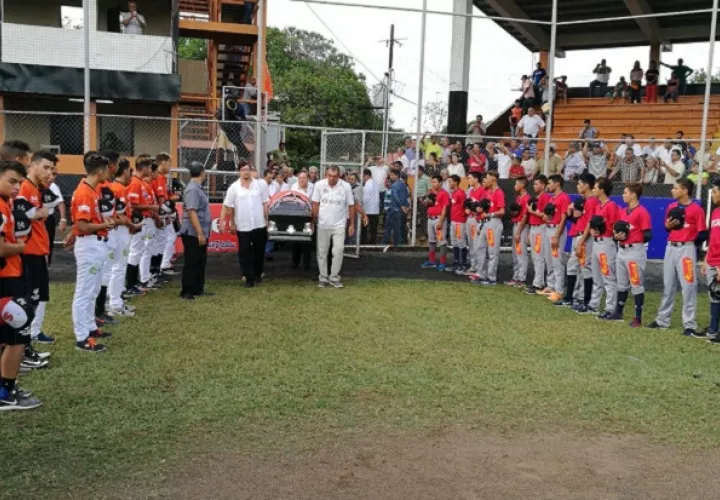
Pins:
x: 492, y: 229
x: 472, y: 226
x: 685, y: 221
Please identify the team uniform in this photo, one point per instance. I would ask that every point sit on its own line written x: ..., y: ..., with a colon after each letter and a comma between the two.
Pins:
x: 537, y: 247
x: 137, y: 194
x: 679, y: 266
x: 632, y: 252
x: 604, y: 254
x: 437, y: 236
x: 489, y: 258
x: 520, y: 255
x: 12, y: 282
x: 554, y: 257
x: 159, y: 186
x: 150, y: 237
x: 90, y: 256
x: 713, y: 264
x: 473, y: 228
x: 34, y: 258
x: 458, y: 218
x: 119, y: 242
x: 581, y: 265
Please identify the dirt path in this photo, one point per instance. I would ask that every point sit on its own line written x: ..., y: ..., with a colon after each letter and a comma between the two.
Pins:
x: 456, y: 464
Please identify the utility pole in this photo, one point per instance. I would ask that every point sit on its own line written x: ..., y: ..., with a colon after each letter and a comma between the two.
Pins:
x: 387, y: 88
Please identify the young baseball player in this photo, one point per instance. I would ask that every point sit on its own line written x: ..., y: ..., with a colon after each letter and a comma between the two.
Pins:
x: 37, y: 246
x: 521, y: 230
x: 537, y: 233
x: 141, y: 201
x: 88, y: 239
x: 578, y: 264
x: 159, y: 185
x: 164, y: 163
x: 105, y: 192
x: 153, y: 228
x: 711, y: 265
x: 14, y: 150
x: 604, y: 250
x: 473, y: 226
x: 121, y: 243
x: 437, y: 213
x: 556, y: 236
x: 491, y: 231
x: 57, y: 204
x: 685, y: 222
x: 14, y: 327
x: 458, y: 218
x: 632, y: 232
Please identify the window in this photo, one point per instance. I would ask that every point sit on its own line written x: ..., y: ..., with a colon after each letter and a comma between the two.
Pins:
x: 71, y: 18
x: 66, y: 132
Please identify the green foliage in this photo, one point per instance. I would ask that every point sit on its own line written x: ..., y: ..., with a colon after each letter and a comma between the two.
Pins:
x: 314, y: 84
x: 192, y: 48
x: 700, y: 76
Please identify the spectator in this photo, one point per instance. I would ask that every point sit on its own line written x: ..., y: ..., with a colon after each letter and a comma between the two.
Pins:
x: 289, y: 175
x: 303, y: 185
x: 561, y: 89
x: 477, y: 129
x: 280, y: 155
x: 537, y: 77
x: 527, y: 145
x: 431, y: 147
x: 514, y: 147
x: 652, y: 78
x: 588, y: 131
x: 530, y: 124
x: 650, y: 148
x: 636, y: 76
x: 477, y: 161
x: 574, y: 163
x: 630, y: 166
x: 133, y: 22
x: 663, y: 153
x: 672, y: 88
x: 673, y: 170
x: 516, y: 113
x: 555, y: 163
x: 410, y: 149
x: 460, y: 151
x: 357, y: 191
x: 490, y: 154
x: 371, y: 204
x: 597, y: 156
x: 504, y: 161
x: 681, y: 72
x: 528, y: 163
x: 445, y: 180
x: 516, y: 168
x: 432, y: 166
x: 620, y: 90
x: 379, y: 173
x: 313, y: 175
x: 680, y: 142
x: 602, y: 77
x: 279, y: 185
x: 422, y: 187
x: 696, y: 174
x: 447, y: 149
x: 250, y: 93
x: 396, y: 211
x: 629, y: 143
x: 652, y: 170
x: 528, y: 94
x: 334, y: 213
x: 455, y: 167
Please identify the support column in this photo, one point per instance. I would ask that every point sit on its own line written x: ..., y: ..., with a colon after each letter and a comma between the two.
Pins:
x: 460, y: 67
x: 93, y: 142
x: 655, y: 53
x: 2, y: 118
x: 543, y: 59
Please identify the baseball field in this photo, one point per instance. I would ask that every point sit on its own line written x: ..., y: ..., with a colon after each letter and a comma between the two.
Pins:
x: 386, y: 389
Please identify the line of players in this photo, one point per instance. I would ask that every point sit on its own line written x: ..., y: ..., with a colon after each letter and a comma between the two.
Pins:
x: 609, y: 244
x: 123, y: 239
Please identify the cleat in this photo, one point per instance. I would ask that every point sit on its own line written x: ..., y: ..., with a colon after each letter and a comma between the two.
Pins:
x: 44, y: 339
x: 89, y: 345
x: 441, y: 267
x: 428, y: 265
x: 636, y: 323
x: 656, y: 326
x: 99, y: 334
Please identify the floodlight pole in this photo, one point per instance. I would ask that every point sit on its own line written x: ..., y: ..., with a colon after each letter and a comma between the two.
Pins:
x: 419, y: 121
x: 706, y: 103
x: 551, y: 88
x: 86, y: 76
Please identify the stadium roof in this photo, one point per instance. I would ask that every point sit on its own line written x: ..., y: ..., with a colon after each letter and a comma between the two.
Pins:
x: 624, y: 33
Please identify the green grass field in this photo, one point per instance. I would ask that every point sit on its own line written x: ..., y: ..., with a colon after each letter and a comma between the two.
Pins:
x: 245, y: 368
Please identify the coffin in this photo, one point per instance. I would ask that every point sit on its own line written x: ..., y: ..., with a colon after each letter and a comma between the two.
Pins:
x: 290, y: 215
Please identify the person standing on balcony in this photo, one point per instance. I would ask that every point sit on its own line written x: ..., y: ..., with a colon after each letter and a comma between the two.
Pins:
x: 681, y: 72
x: 133, y: 22
x: 602, y: 77
x: 652, y: 77
x: 528, y: 94
x: 537, y: 77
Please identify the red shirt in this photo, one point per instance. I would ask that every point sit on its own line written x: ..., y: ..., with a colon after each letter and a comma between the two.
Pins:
x: 694, y: 223
x: 497, y: 199
x: 84, y: 206
x: 521, y: 200
x: 562, y: 202
x: 137, y: 193
x: 543, y: 200
x: 13, y: 264
x: 477, y: 163
x: 578, y: 227
x: 442, y: 200
x: 639, y: 220
x: 159, y: 185
x: 713, y: 254
x: 457, y: 206
x: 39, y: 242
x: 516, y: 171
x: 477, y: 194
x: 611, y: 213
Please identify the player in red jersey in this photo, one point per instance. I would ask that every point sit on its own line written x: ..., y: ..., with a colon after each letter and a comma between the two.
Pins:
x: 537, y: 231
x: 711, y: 265
x: 556, y: 236
x: 437, y: 213
x: 474, y: 224
x: 519, y: 218
x: 458, y: 217
x: 604, y: 250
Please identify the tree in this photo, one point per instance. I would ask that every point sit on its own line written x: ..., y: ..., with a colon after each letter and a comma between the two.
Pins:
x: 192, y: 48
x: 435, y: 115
x: 700, y: 76
x: 314, y: 84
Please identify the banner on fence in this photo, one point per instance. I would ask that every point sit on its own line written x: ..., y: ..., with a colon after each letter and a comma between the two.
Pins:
x: 218, y: 242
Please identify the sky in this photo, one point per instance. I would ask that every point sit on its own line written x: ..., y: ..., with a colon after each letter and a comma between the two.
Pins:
x: 497, y: 59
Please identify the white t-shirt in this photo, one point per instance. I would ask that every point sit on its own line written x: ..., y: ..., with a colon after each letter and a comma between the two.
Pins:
x: 55, y: 189
x: 307, y: 192
x: 371, y: 198
x: 291, y: 181
x: 664, y: 154
x: 530, y: 166
x: 248, y: 204
x: 379, y: 176
x: 637, y: 150
x: 504, y: 163
x: 334, y: 202
x: 456, y: 169
x: 276, y: 188
x: 531, y: 125
x: 135, y: 26
x: 677, y: 166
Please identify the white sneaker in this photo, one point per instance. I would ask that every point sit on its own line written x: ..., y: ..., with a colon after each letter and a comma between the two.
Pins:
x: 126, y: 313
x: 130, y: 308
x: 336, y: 284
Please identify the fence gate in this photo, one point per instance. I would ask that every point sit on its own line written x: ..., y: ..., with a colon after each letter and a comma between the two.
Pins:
x: 345, y: 149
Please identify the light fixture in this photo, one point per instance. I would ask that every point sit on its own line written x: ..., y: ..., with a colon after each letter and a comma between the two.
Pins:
x: 307, y: 229
x: 290, y: 229
x: 272, y: 227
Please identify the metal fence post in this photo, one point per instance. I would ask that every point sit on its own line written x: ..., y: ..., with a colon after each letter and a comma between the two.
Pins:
x: 419, y: 124
x: 706, y: 103
x: 551, y: 89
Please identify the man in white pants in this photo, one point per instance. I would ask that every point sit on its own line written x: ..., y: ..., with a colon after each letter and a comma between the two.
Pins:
x: 88, y: 238
x: 333, y: 208
x: 104, y: 190
x: 154, y: 233
x: 120, y: 242
x: 141, y: 203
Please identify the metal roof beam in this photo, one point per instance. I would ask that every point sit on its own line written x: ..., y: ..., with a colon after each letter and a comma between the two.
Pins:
x: 648, y: 25
x: 677, y: 34
x: 533, y: 33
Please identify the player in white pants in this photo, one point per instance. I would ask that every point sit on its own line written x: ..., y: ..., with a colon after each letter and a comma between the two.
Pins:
x: 106, y: 193
x: 120, y: 242
x: 141, y: 203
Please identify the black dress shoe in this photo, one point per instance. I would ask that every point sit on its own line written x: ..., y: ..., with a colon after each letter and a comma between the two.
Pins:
x: 187, y: 297
x: 206, y: 294
x: 249, y: 284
